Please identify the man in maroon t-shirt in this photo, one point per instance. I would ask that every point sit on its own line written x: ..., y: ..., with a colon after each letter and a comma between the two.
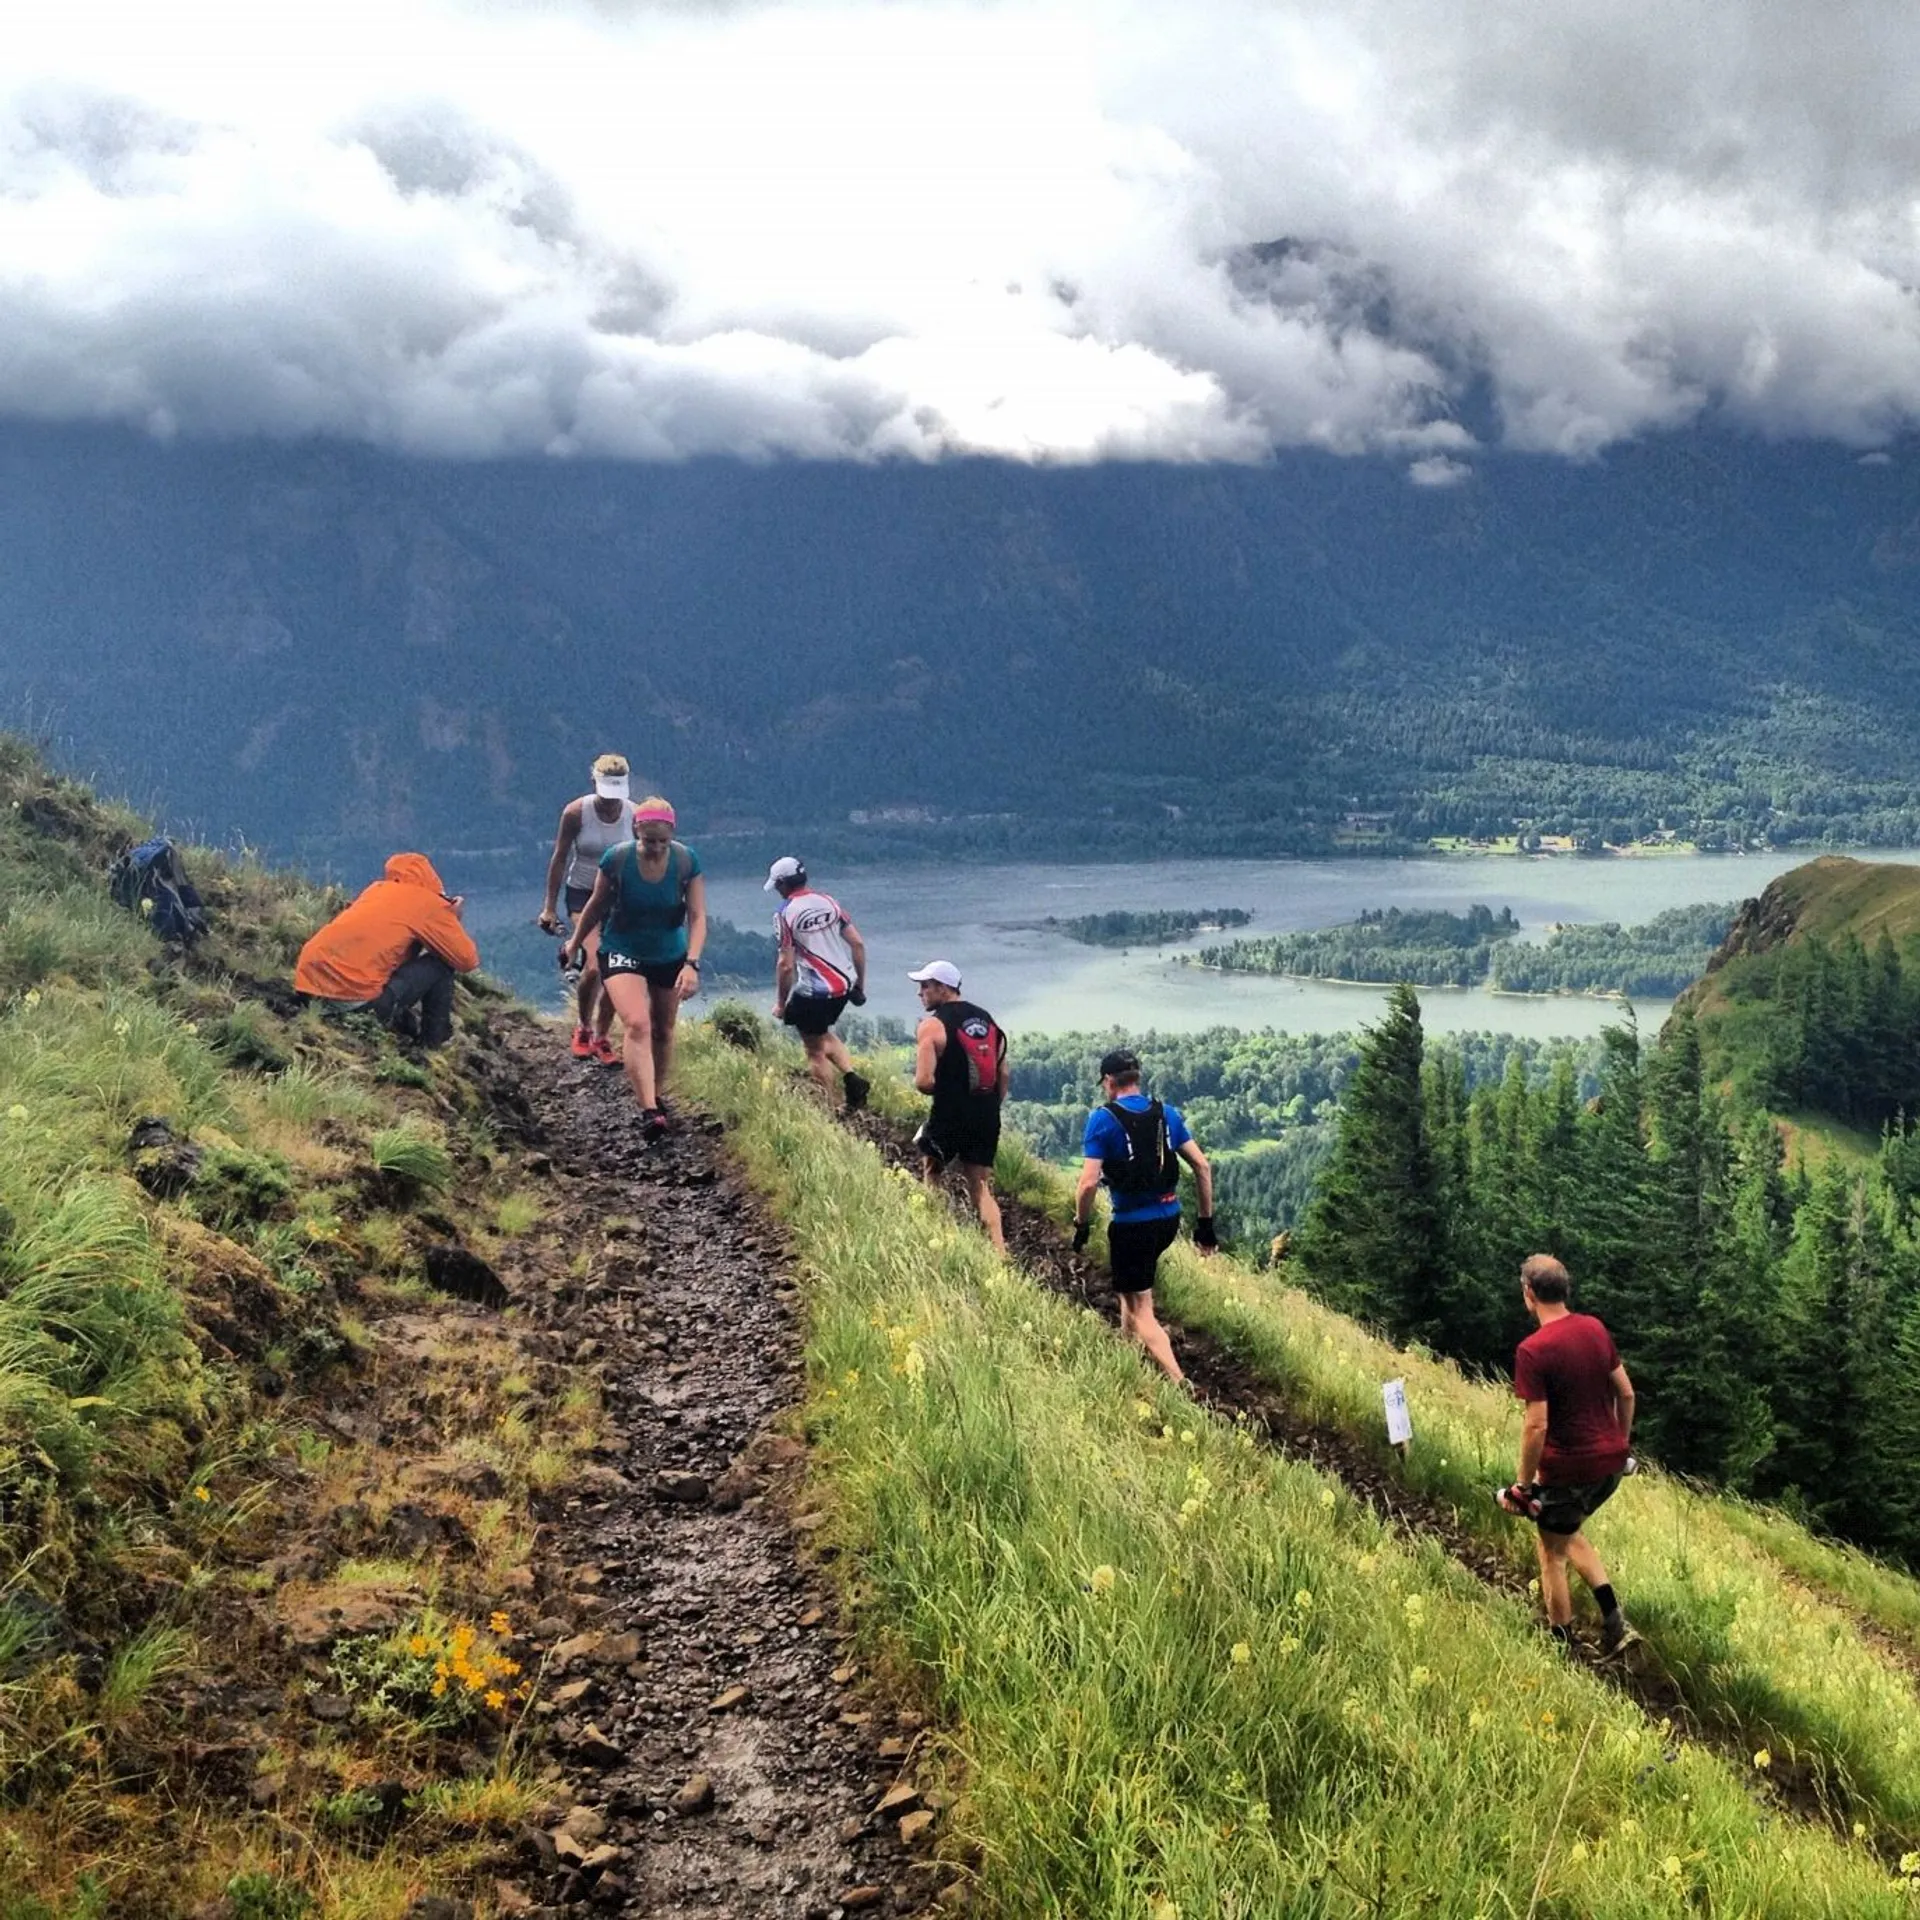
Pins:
x: 1573, y: 1448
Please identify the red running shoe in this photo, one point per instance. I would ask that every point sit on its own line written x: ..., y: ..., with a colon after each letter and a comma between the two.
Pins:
x: 583, y: 1043
x: 604, y: 1051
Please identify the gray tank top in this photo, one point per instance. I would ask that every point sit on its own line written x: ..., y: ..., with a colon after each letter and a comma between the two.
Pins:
x: 594, y: 838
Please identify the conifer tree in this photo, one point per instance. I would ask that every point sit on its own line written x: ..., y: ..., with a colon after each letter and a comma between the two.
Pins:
x: 1372, y: 1238
x: 1815, y: 1395
x: 1706, y: 1415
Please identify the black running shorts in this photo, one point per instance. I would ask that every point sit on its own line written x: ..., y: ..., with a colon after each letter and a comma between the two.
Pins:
x: 577, y: 898
x: 1136, y: 1247
x: 970, y: 1135
x: 1564, y: 1510
x: 661, y: 975
x: 814, y: 1012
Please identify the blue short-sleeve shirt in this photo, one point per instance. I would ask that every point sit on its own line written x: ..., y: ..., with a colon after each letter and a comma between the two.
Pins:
x: 1106, y: 1140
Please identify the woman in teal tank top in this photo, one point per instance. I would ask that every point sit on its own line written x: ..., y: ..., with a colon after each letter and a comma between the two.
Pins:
x: 649, y: 901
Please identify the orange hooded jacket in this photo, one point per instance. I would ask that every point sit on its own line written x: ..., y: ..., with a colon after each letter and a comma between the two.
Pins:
x: 354, y: 955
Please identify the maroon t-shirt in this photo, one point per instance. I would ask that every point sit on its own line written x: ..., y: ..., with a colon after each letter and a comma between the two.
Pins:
x: 1569, y: 1364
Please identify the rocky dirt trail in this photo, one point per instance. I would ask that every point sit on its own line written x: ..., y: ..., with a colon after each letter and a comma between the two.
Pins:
x: 722, y: 1753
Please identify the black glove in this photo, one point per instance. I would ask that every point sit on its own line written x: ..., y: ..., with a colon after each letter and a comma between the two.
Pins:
x: 1203, y: 1233
x: 858, y: 997
x: 1082, y: 1233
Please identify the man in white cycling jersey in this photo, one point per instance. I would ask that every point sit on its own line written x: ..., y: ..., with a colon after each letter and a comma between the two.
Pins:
x: 820, y: 972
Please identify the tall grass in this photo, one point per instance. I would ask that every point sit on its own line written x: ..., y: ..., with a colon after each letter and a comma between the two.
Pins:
x: 1183, y: 1676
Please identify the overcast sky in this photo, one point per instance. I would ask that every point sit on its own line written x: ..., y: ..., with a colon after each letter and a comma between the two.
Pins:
x: 1052, y: 231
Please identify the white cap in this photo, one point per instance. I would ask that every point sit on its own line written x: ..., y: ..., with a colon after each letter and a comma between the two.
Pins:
x: 610, y: 786
x: 785, y: 868
x: 942, y: 970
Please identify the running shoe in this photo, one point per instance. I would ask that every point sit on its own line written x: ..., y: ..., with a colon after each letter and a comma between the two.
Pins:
x: 583, y: 1043
x: 653, y: 1124
x: 858, y: 1087
x: 604, y: 1051
x: 1616, y: 1636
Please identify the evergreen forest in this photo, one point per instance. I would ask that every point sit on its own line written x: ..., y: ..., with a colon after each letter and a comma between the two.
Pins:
x: 1122, y: 928
x: 1768, y: 1312
x: 1654, y: 961
x: 1430, y: 947
x: 1262, y: 1104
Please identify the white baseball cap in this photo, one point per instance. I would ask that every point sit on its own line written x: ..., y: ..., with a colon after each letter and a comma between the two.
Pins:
x: 785, y: 868
x: 942, y: 970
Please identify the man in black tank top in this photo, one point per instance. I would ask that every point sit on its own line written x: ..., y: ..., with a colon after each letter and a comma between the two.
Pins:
x: 960, y: 1058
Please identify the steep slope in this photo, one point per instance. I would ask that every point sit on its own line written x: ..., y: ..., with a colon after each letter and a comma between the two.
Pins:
x: 1808, y: 1008
x: 386, y: 1526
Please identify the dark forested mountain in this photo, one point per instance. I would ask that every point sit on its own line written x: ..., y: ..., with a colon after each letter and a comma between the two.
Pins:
x: 328, y: 649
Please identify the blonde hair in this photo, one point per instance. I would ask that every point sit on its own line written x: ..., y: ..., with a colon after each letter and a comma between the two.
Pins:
x: 610, y: 766
x: 655, y: 807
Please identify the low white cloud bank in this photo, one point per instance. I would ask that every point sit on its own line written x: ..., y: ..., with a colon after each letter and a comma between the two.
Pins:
x: 1056, y: 231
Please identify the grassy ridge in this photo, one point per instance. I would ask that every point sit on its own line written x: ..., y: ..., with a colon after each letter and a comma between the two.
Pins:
x: 158, y: 1453
x: 1778, y: 1664
x: 1185, y: 1676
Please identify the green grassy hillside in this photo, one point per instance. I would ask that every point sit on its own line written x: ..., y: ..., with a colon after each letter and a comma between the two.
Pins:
x: 1808, y: 1009
x: 1177, y: 1674
x: 212, y: 1447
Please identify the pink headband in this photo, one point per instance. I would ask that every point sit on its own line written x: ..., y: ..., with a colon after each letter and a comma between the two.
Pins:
x: 662, y: 814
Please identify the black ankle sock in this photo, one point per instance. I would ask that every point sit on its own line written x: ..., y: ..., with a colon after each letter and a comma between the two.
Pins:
x: 1563, y: 1634
x: 1608, y: 1604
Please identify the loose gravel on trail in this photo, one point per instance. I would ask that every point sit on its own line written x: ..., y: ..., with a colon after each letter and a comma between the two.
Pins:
x: 699, y: 1693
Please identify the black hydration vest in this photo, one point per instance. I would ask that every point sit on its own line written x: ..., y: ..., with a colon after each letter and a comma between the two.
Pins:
x: 1150, y: 1165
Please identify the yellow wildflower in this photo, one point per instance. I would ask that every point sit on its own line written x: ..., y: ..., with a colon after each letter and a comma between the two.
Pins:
x: 1100, y: 1580
x: 31, y: 997
x: 1763, y: 1759
x: 498, y: 1623
x: 1303, y: 1600
x: 200, y: 1493
x: 1240, y: 1654
x: 1577, y: 1852
x: 438, y: 1688
x: 419, y: 1646
x: 496, y: 1699
x: 1671, y: 1866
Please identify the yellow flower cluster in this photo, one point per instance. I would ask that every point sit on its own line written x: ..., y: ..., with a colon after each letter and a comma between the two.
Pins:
x: 1199, y: 1492
x: 459, y: 1660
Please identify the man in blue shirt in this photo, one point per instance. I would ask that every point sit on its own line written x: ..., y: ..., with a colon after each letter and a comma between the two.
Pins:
x: 1134, y: 1147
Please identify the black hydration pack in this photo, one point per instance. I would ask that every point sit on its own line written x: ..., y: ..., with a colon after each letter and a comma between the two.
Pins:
x: 1150, y: 1164
x: 150, y: 881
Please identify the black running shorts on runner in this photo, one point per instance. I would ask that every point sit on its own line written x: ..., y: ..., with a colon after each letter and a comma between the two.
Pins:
x: 971, y: 1137
x: 661, y: 975
x: 1136, y: 1247
x: 1564, y: 1510
x: 814, y: 1012
x: 577, y: 898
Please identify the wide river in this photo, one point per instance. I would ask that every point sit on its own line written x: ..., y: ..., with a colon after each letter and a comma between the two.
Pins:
x: 982, y: 919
